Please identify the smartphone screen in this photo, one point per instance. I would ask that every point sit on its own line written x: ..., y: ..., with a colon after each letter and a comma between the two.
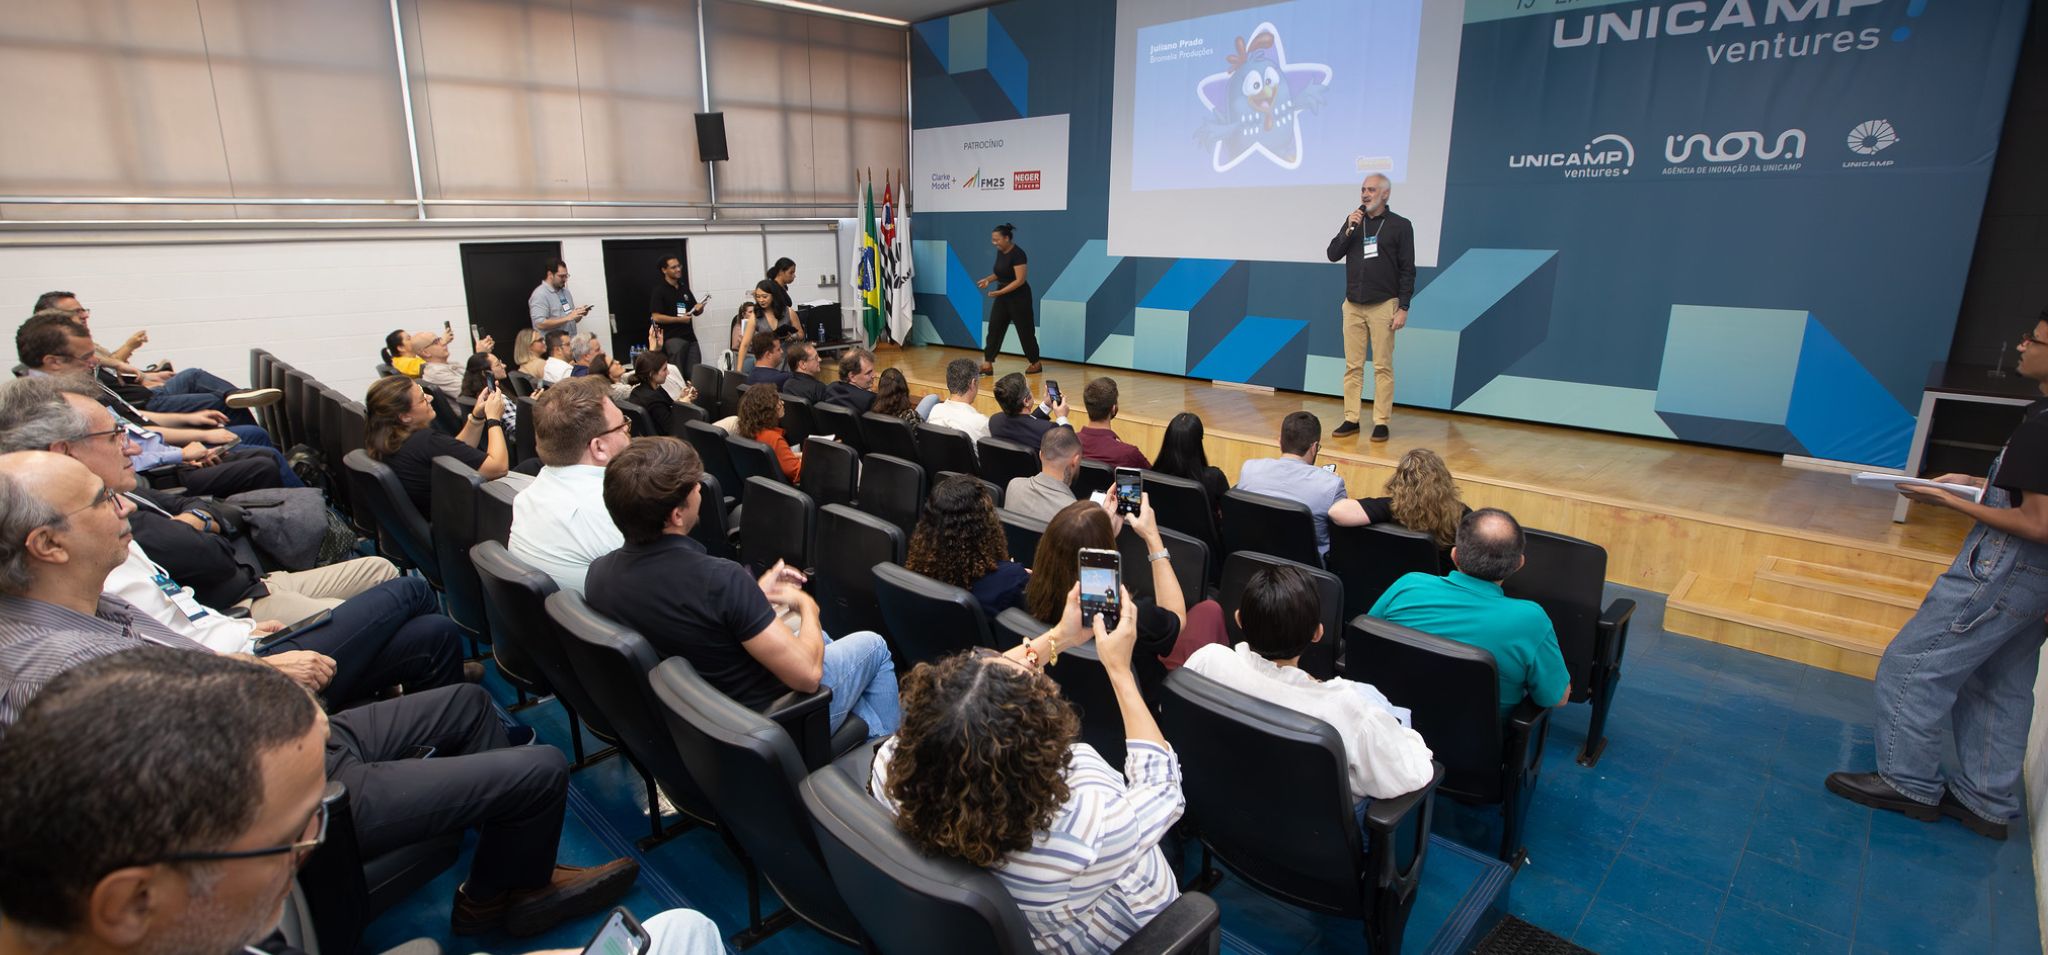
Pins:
x: 1052, y: 391
x: 1101, y: 582
x: 421, y: 751
x: 619, y: 935
x: 1332, y: 467
x: 1130, y: 490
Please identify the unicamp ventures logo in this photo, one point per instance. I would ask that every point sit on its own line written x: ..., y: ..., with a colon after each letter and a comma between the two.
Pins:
x: 1608, y: 155
x: 1805, y: 28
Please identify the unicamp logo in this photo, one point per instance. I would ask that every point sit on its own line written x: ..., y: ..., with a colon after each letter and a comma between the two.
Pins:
x: 1608, y: 155
x: 1869, y: 138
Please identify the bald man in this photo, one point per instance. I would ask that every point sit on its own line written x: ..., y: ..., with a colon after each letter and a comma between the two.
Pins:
x: 1377, y: 247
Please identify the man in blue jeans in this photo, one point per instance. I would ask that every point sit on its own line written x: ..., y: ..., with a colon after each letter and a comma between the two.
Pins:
x: 1971, y: 651
x: 186, y: 390
x: 756, y: 640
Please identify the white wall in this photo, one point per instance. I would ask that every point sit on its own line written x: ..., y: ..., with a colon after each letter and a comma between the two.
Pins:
x: 2037, y: 792
x: 325, y: 302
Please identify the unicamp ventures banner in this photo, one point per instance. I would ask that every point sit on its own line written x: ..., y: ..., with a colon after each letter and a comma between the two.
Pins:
x: 1739, y: 222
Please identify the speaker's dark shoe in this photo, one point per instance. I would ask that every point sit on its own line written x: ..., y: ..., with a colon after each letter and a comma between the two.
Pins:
x: 1871, y: 790
x: 1954, y: 809
x: 1379, y: 432
x: 1345, y: 430
x: 1034, y: 368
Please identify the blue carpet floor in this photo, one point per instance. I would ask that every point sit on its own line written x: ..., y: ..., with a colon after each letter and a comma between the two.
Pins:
x: 1703, y: 828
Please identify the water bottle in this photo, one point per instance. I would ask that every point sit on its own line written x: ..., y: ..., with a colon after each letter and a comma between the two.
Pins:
x: 821, y: 333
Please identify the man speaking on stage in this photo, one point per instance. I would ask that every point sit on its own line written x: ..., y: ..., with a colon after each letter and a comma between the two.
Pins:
x: 1377, y: 247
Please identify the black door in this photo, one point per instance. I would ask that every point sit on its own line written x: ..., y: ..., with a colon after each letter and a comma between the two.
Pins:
x: 496, y: 279
x: 631, y: 267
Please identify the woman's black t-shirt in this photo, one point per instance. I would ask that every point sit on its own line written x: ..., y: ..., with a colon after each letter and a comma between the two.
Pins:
x: 1006, y: 270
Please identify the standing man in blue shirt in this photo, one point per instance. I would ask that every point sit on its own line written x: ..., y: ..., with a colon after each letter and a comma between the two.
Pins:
x: 550, y: 306
x: 1377, y: 248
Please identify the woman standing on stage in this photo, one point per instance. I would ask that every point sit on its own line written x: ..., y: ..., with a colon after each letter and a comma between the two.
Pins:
x: 1012, y: 296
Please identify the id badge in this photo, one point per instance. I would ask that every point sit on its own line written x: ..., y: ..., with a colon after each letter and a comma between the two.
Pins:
x: 1370, y: 249
x: 179, y: 596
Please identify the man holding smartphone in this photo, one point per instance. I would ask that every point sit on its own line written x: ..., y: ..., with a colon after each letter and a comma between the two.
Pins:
x: 550, y: 307
x: 1294, y: 474
x: 671, y: 306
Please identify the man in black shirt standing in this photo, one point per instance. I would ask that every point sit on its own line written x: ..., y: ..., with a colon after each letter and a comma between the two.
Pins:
x: 672, y: 307
x: 1377, y: 248
x: 1968, y: 656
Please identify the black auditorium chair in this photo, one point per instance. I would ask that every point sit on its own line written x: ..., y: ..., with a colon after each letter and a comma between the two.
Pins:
x: 1451, y: 689
x: 332, y: 410
x: 1566, y: 575
x: 1370, y: 558
x: 355, y: 425
x: 1182, y: 505
x: 940, y: 448
x: 1304, y: 846
x: 681, y: 413
x: 458, y: 493
x: 525, y: 445
x: 709, y: 440
x: 778, y: 526
x: 714, y: 529
x: 1189, y: 557
x: 525, y: 645
x: 1021, y: 534
x: 797, y: 420
x: 448, y: 417
x: 926, y: 619
x: 1082, y: 680
x: 522, y: 384
x: 345, y: 891
x: 839, y: 422
x: 385, y: 370
x: 494, y: 512
x: 892, y: 489
x: 888, y: 434
x: 995, y: 491
x: 709, y: 383
x: 913, y: 903
x: 831, y: 471
x: 1095, y: 476
x: 730, y: 385
x: 259, y: 362
x: 402, y: 534
x: 1004, y: 461
x: 637, y: 420
x: 612, y: 662
x: 855, y: 543
x: 1320, y: 659
x: 750, y: 768
x: 1269, y: 525
x: 296, y: 426
x: 753, y: 459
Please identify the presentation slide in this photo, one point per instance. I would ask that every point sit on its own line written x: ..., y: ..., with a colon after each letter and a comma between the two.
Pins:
x: 1242, y: 130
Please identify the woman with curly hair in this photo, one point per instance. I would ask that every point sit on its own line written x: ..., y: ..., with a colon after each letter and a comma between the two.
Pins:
x: 892, y: 397
x: 959, y: 541
x: 987, y: 767
x: 1168, y: 628
x: 1421, y: 496
x: 760, y: 418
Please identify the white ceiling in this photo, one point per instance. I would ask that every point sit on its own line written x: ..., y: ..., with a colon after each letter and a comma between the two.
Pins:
x: 911, y: 10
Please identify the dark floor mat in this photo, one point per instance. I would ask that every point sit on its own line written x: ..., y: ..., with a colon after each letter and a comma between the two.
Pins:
x: 1516, y: 937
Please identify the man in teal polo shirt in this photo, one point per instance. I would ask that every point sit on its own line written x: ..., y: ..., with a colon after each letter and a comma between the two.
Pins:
x: 1469, y: 607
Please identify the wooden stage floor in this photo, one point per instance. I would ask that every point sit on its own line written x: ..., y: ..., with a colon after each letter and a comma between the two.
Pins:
x: 1675, y: 517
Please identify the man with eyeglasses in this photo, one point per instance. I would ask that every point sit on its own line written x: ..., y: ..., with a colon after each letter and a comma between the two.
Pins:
x: 1967, y: 658
x: 62, y: 532
x: 186, y: 390
x: 559, y: 523
x: 550, y: 306
x: 671, y: 306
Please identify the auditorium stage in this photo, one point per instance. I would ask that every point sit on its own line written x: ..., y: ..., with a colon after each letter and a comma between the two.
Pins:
x: 1790, y: 561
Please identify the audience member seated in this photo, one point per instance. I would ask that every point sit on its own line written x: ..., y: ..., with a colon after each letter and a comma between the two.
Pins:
x: 651, y: 370
x: 989, y: 768
x: 1044, y: 494
x: 892, y: 398
x: 1098, y: 442
x: 754, y: 640
x: 52, y: 344
x: 402, y: 349
x: 559, y: 522
x: 1181, y: 455
x: 1020, y: 420
x: 1167, y: 627
x: 484, y: 369
x: 439, y: 373
x: 959, y: 541
x: 583, y: 351
x: 401, y: 434
x: 530, y: 350
x: 804, y: 364
x: 613, y: 374
x: 164, y: 390
x: 767, y: 352
x: 1281, y: 615
x: 208, y: 843
x: 958, y: 411
x: 1469, y: 607
x: 760, y: 418
x: 1294, y: 474
x: 1421, y: 496
x: 185, y: 535
x: 557, y: 367
x: 855, y: 387
x: 677, y: 382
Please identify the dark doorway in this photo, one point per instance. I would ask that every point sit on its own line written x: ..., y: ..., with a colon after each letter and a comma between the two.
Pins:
x: 497, y: 277
x: 631, y: 267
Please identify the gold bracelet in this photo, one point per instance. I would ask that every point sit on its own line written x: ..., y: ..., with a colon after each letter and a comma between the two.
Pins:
x: 1055, y: 658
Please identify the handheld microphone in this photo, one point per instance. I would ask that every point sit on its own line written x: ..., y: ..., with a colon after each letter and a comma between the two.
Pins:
x: 1350, y: 225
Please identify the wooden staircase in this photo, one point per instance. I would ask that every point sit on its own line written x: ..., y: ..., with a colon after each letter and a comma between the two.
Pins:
x: 1824, y: 615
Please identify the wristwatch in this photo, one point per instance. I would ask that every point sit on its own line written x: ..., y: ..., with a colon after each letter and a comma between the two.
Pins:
x: 1157, y: 555
x: 494, y: 422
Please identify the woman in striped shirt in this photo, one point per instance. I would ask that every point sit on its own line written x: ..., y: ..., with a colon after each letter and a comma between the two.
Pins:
x: 988, y: 767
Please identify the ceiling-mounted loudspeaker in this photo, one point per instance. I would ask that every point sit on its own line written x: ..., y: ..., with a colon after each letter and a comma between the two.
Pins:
x: 711, y: 137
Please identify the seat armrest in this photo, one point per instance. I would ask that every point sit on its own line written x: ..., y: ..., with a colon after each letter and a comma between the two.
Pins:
x: 1523, y: 735
x: 1190, y: 924
x: 1384, y: 819
x: 1385, y: 815
x: 1613, y: 631
x: 807, y: 717
x: 161, y: 478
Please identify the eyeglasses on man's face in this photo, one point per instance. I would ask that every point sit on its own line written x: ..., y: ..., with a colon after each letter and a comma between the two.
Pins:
x: 310, y: 838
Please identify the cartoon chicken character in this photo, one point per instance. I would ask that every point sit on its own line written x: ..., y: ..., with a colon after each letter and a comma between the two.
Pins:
x: 1256, y: 105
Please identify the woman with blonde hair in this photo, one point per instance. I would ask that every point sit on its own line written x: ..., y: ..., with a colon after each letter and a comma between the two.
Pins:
x: 1421, y: 496
x: 530, y: 352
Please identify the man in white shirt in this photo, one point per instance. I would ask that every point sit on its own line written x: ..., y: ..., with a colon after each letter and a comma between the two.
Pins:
x: 1280, y: 614
x: 958, y: 411
x: 559, y: 523
x: 549, y: 307
x: 558, y: 367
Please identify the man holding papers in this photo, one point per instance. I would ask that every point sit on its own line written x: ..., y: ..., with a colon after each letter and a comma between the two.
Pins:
x: 1970, y: 652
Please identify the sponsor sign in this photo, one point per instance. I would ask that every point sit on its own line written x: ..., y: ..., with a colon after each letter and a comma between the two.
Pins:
x: 1012, y: 165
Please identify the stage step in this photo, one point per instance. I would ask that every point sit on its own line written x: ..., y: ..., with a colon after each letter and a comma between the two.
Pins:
x: 1730, y: 612
x: 1838, y: 591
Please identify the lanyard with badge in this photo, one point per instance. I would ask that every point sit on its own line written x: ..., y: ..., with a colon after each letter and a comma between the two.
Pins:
x: 1369, y: 247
